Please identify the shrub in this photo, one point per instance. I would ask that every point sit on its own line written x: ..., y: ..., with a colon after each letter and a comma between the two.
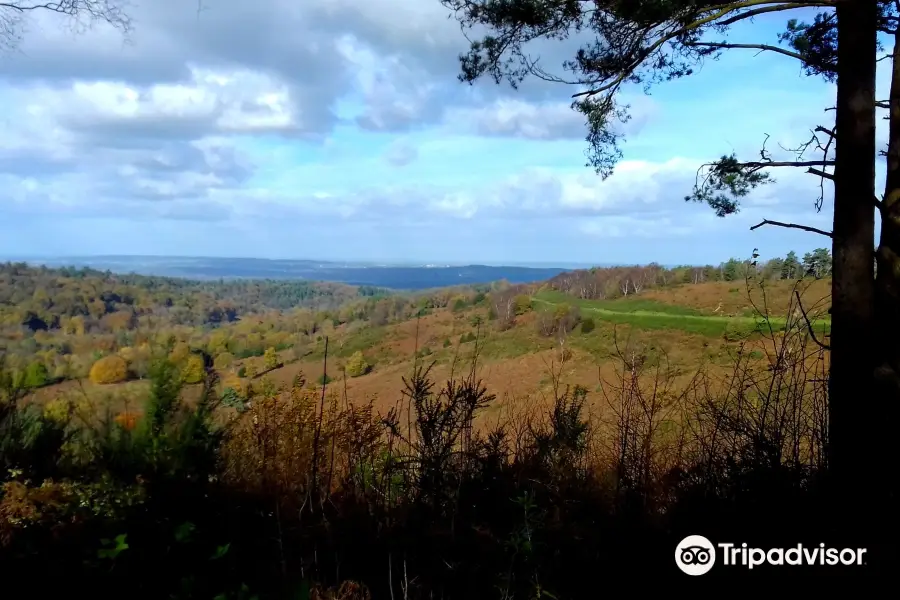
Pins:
x: 231, y: 398
x: 467, y: 337
x: 180, y: 352
x: 522, y: 303
x: 447, y: 343
x: 242, y: 372
x: 357, y: 365
x: 324, y: 379
x: 458, y: 304
x: 36, y: 375
x: 109, y: 369
x: 193, y: 369
x: 737, y: 330
x: 223, y: 361
x: 587, y: 325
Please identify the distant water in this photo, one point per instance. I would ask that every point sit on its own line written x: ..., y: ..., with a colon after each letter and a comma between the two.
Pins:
x: 400, y: 277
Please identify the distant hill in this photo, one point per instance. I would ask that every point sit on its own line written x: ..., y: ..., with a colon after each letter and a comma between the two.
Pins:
x: 398, y: 277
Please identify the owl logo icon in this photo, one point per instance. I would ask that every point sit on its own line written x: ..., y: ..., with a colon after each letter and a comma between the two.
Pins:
x: 695, y: 555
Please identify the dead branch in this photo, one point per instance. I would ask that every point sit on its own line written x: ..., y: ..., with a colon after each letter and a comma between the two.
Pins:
x: 792, y: 226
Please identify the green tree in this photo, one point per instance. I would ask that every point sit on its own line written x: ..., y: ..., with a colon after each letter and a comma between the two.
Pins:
x: 731, y: 270
x: 772, y: 268
x: 36, y: 375
x: 650, y: 41
x: 790, y: 268
x: 817, y: 263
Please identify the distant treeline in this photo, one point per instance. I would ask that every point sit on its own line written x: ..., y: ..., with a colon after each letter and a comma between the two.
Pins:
x: 45, y: 298
x: 599, y: 283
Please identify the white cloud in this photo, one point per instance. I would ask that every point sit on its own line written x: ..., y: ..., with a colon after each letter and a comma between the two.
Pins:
x: 276, y: 114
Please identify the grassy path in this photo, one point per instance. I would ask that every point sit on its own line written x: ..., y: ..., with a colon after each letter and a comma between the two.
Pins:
x: 661, y: 316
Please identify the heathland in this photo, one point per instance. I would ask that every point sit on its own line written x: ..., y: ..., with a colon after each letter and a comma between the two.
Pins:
x: 271, y: 425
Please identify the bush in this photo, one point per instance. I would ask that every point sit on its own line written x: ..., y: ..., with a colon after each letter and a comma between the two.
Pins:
x: 194, y: 369
x: 223, y: 361
x: 447, y: 343
x: 242, y: 372
x: 522, y: 303
x: 36, y: 375
x: 180, y: 352
x: 587, y: 325
x: 109, y: 369
x: 736, y: 331
x: 324, y: 379
x: 357, y: 365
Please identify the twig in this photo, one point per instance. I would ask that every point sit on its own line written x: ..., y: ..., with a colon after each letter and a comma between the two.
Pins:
x: 809, y: 326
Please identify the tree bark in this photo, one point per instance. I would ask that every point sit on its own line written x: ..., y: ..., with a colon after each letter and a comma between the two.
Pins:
x: 887, y: 279
x: 852, y: 406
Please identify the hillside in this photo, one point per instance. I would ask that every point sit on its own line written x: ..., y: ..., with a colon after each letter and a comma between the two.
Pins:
x: 516, y: 331
x: 521, y: 400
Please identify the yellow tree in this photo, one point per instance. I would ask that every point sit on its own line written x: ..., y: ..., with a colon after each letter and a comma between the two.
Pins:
x: 270, y: 358
x: 109, y: 369
x: 193, y: 369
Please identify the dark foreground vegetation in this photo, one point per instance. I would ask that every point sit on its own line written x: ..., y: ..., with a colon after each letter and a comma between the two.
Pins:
x: 301, y: 492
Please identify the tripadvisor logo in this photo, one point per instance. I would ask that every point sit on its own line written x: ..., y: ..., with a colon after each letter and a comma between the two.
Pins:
x: 696, y: 555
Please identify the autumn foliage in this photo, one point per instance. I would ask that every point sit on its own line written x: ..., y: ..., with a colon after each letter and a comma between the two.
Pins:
x: 357, y: 365
x: 193, y: 369
x: 109, y: 369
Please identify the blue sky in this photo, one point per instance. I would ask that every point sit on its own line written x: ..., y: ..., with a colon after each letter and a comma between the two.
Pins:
x: 336, y: 129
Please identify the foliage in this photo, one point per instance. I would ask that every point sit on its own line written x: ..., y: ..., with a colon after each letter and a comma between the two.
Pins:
x: 223, y: 361
x: 109, y: 369
x: 36, y: 375
x: 357, y: 365
x: 193, y: 369
x: 270, y: 359
x: 587, y: 325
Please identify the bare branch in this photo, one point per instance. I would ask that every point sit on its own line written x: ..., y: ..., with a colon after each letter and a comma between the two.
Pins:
x: 792, y: 226
x: 81, y: 14
x: 820, y: 173
x: 809, y: 326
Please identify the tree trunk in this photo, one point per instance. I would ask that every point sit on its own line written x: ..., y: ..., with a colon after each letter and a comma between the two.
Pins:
x: 852, y: 407
x: 887, y: 278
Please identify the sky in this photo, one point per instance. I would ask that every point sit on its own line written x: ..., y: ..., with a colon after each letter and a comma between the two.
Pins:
x: 337, y: 130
